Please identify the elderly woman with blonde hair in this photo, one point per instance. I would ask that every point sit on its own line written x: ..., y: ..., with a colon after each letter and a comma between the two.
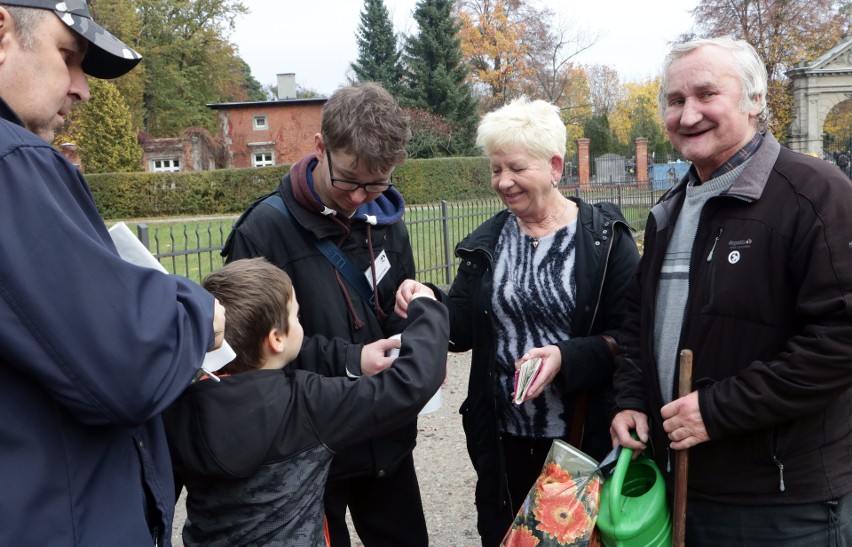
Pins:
x: 543, y: 278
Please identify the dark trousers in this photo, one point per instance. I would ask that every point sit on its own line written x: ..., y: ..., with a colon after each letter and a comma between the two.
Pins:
x: 523, y: 458
x: 386, y: 512
x: 806, y: 525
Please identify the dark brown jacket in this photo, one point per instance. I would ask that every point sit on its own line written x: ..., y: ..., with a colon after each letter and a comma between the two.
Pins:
x: 769, y: 319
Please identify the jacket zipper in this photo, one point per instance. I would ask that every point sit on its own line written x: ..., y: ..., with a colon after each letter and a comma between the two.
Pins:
x: 719, y: 235
x: 775, y: 434
x: 603, y: 278
x: 780, y: 465
x: 507, y: 502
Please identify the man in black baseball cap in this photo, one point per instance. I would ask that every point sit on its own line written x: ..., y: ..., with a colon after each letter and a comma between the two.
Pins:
x: 107, y: 56
x: 92, y: 348
x: 44, y: 60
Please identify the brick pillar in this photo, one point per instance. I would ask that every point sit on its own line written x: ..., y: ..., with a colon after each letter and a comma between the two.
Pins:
x: 641, y: 162
x: 583, y: 170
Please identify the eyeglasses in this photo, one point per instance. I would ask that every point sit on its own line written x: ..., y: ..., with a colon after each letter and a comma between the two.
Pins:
x: 351, y: 185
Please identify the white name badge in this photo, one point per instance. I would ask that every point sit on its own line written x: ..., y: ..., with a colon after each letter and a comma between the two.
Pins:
x: 382, y: 268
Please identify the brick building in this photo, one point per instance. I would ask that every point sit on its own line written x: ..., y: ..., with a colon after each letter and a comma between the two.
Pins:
x: 257, y: 134
x: 195, y: 150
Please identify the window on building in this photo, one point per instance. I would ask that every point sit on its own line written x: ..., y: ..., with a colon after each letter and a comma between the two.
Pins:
x: 167, y: 165
x: 260, y: 122
x: 262, y: 159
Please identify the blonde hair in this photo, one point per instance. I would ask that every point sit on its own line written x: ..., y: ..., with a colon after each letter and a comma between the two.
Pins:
x: 534, y: 126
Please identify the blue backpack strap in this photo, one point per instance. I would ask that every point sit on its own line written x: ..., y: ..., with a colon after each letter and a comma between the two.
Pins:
x: 330, y: 251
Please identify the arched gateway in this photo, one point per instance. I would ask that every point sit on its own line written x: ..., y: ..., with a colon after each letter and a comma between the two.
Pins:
x: 817, y: 88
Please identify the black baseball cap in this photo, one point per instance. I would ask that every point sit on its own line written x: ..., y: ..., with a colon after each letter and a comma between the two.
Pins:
x: 107, y: 56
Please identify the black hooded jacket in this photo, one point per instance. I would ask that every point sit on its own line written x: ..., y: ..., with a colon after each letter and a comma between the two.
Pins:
x: 254, y: 450
x: 330, y: 307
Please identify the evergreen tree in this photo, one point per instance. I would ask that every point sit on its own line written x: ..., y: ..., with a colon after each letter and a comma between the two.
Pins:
x: 435, y: 74
x: 103, y: 131
x: 378, y: 56
x: 600, y: 136
x: 243, y: 85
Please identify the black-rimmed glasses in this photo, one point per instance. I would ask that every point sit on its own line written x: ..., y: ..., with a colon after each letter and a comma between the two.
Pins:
x: 351, y: 185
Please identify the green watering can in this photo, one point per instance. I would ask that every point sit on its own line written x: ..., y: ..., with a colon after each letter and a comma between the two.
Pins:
x: 633, y: 509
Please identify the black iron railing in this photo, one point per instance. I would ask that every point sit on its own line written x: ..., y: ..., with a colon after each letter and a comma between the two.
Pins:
x: 191, y: 247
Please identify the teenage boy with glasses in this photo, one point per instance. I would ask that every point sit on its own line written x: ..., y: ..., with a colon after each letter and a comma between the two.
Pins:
x: 350, y: 185
x: 351, y: 206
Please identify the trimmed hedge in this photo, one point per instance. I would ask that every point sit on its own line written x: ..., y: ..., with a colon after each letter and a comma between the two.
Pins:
x: 137, y: 195
x: 229, y: 191
x: 452, y: 179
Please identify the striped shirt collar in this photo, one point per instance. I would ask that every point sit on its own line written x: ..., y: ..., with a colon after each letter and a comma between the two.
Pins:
x: 733, y: 162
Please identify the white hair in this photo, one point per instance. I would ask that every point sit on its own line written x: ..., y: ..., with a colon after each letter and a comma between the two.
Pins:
x: 749, y: 65
x: 534, y: 126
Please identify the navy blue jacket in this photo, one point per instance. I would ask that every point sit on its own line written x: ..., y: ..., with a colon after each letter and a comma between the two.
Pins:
x: 93, y: 350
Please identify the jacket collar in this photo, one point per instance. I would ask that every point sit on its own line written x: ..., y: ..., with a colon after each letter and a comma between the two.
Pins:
x: 387, y: 209
x: 593, y: 219
x: 739, y: 158
x: 8, y: 114
x: 598, y: 217
x: 484, y: 237
x: 749, y: 185
x: 753, y: 179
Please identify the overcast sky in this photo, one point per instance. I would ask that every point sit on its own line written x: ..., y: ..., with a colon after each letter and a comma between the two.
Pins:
x: 315, y: 39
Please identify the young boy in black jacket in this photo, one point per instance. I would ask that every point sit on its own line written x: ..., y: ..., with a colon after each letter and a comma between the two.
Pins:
x: 254, y: 450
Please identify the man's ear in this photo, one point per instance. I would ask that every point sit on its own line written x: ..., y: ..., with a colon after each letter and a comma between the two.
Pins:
x: 755, y: 105
x: 319, y: 146
x: 6, y: 32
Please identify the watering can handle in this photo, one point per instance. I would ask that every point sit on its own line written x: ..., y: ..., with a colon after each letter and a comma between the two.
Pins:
x: 617, y: 478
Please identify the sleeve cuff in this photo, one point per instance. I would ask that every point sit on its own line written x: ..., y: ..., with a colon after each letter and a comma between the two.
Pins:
x: 353, y: 360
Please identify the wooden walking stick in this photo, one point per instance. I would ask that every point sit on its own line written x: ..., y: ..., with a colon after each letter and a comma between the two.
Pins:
x: 684, y: 388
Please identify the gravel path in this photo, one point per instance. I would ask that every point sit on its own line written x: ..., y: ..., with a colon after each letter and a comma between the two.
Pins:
x: 446, y: 476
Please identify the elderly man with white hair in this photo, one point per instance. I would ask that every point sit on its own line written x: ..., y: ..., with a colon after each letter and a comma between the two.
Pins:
x: 748, y: 263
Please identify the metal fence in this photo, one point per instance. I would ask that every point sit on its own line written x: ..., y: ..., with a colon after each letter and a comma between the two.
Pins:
x: 191, y: 247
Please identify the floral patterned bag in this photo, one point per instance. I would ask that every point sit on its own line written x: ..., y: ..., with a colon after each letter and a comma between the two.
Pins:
x: 562, y: 506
